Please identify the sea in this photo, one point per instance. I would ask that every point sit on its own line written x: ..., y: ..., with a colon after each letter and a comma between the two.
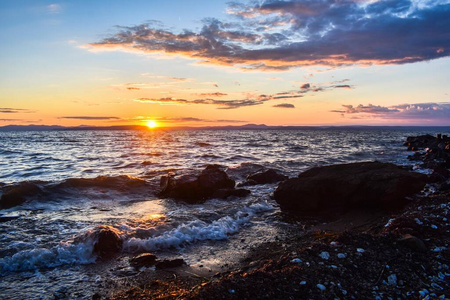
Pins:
x: 92, y: 178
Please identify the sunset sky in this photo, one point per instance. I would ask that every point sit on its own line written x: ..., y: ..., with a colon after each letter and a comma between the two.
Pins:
x: 197, y: 63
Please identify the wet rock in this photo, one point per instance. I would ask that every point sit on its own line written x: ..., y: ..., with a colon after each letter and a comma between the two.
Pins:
x: 196, y: 188
x: 437, y: 149
x: 107, y: 241
x: 17, y: 194
x: 345, y: 187
x: 263, y: 177
x: 413, y: 243
x: 143, y: 260
x: 170, y: 263
x: 121, y: 182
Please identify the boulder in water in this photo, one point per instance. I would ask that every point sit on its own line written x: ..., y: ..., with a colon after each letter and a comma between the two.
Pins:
x: 196, y: 188
x: 107, y: 241
x: 341, y: 188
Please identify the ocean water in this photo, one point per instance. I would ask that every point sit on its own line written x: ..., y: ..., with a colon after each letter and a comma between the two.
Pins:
x: 96, y: 178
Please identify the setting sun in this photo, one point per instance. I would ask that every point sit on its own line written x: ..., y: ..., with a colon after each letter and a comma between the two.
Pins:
x: 151, y: 124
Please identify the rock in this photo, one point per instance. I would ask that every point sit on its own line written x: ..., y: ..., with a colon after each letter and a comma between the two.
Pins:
x: 437, y: 149
x: 193, y: 188
x: 143, y: 260
x: 17, y: 194
x: 413, y: 243
x: 263, y: 177
x: 345, y: 187
x: 170, y: 263
x: 107, y: 241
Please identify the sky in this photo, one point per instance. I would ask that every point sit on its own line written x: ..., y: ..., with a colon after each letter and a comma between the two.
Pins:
x: 207, y: 63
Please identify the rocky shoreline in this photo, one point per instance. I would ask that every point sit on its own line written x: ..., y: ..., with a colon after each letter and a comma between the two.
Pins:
x: 400, y: 252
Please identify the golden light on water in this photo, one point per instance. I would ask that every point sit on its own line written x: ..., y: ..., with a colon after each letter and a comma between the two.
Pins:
x: 151, y: 124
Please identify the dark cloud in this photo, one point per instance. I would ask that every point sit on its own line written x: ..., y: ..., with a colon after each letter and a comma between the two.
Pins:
x: 90, y: 118
x: 237, y: 103
x: 217, y: 94
x: 8, y: 110
x: 278, y: 35
x: 418, y: 111
x: 284, y: 105
x: 305, y: 86
x: 223, y: 104
x: 132, y: 88
x: 343, y: 86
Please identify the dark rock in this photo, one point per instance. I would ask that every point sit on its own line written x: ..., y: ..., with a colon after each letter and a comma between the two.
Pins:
x: 437, y: 149
x: 341, y: 188
x: 143, y: 260
x: 193, y: 188
x: 107, y: 241
x: 170, y: 263
x: 266, y: 176
x: 413, y: 243
x: 17, y: 194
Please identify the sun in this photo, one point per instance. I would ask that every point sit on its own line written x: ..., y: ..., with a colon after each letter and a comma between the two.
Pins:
x: 151, y: 124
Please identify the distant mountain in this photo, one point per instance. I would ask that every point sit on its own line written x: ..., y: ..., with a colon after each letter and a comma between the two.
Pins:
x: 30, y: 127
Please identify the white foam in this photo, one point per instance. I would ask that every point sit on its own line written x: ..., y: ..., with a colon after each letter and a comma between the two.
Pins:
x: 198, y: 230
x: 63, y: 254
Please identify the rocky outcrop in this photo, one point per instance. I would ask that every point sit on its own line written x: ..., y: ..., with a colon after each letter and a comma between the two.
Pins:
x: 437, y: 150
x: 107, y: 241
x: 263, y: 177
x: 341, y: 188
x: 212, y: 182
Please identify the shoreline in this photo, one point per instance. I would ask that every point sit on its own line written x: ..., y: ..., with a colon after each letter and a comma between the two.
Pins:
x: 360, y: 255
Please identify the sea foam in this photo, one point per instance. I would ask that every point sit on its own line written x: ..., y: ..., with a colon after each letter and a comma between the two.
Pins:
x: 198, y: 230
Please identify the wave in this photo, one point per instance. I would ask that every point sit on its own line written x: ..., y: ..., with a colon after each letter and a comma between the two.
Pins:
x: 64, y: 254
x: 197, y: 231
x: 16, y: 194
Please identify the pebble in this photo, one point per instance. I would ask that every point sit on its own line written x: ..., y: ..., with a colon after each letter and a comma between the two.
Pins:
x: 296, y: 261
x: 360, y: 250
x: 302, y: 282
x: 342, y: 255
x: 325, y: 255
x: 392, y: 279
x: 434, y: 226
x: 321, y: 287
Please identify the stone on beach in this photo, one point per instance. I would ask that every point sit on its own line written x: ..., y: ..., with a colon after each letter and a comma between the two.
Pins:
x: 345, y: 187
x: 143, y: 260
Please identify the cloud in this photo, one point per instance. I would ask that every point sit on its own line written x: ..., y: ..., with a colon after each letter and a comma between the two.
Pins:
x: 8, y: 110
x: 180, y: 120
x: 217, y: 94
x: 223, y: 104
x: 417, y: 111
x: 279, y: 35
x: 251, y: 100
x: 54, y: 8
x: 89, y: 118
x: 284, y: 105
